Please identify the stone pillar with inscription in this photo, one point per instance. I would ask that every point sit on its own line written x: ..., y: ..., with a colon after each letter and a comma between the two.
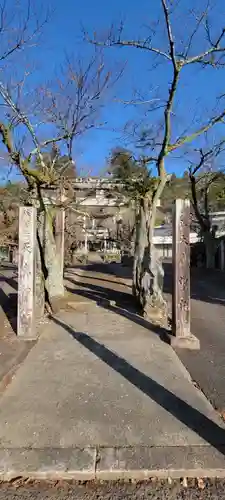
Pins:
x: 26, y: 327
x: 181, y: 334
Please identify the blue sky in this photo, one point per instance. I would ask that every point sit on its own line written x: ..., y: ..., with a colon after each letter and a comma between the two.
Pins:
x: 197, y: 92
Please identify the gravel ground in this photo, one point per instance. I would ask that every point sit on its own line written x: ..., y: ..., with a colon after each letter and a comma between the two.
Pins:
x: 152, y: 490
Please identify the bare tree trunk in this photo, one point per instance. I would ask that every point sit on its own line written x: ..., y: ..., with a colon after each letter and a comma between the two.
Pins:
x: 40, y: 270
x: 140, y: 245
x: 54, y: 279
x: 148, y: 271
x: 50, y: 278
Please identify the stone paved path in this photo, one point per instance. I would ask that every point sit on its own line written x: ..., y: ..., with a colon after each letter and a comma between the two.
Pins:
x: 100, y: 379
x: 97, y: 376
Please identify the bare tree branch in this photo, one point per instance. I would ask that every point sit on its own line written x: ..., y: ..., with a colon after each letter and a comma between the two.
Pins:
x: 74, y: 104
x: 172, y: 91
x: 22, y: 35
x: 169, y: 33
x: 189, y: 138
x: 138, y: 44
x: 201, y: 183
x: 195, y: 30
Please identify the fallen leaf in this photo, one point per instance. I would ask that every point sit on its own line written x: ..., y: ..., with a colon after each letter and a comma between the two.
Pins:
x: 201, y: 483
x: 184, y: 482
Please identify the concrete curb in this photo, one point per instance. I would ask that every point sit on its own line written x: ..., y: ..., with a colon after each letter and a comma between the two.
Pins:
x: 105, y: 463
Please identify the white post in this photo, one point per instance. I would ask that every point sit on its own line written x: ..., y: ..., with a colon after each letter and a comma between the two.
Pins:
x: 86, y: 242
x: 26, y: 327
x: 85, y: 235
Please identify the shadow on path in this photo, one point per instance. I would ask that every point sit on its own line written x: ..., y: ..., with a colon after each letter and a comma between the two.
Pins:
x: 206, y: 285
x: 8, y: 301
x: 122, y: 297
x: 212, y: 433
x: 8, y: 267
x: 10, y: 281
x: 125, y: 304
x: 9, y: 306
x: 95, y: 278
